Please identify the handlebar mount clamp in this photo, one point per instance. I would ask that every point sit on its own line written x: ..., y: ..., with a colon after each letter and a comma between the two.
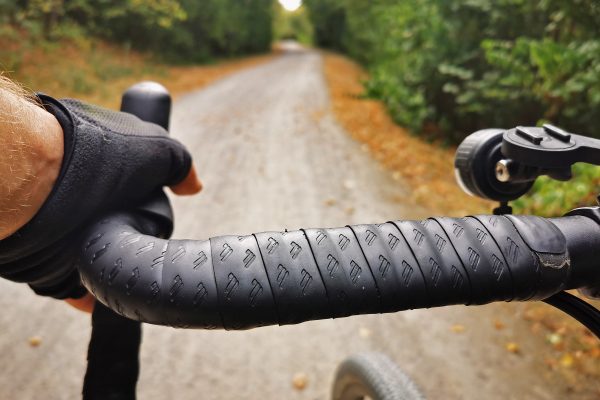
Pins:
x: 502, y: 165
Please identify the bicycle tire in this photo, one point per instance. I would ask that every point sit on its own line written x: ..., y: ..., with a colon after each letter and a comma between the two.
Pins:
x: 372, y: 376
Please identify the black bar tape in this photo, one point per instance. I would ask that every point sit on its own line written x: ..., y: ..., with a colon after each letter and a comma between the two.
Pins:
x: 296, y: 284
x: 515, y: 252
x: 489, y: 276
x: 193, y: 300
x: 350, y: 285
x: 244, y: 291
x: 443, y: 272
x: 241, y: 282
x: 394, y: 268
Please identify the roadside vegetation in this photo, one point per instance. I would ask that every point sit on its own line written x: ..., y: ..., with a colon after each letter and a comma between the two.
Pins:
x: 292, y: 25
x: 98, y: 72
x: 446, y: 68
x: 174, y: 30
x: 95, y: 50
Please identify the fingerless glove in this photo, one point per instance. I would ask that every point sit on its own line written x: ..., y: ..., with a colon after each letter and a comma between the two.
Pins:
x: 112, y: 161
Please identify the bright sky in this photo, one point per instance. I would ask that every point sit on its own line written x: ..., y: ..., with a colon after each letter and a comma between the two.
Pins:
x: 291, y: 5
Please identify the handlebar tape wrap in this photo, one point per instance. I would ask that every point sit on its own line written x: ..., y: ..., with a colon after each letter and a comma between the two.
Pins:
x: 241, y: 282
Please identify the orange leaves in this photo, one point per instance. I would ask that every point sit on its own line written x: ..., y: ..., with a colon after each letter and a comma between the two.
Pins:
x: 512, y: 347
x: 426, y: 167
x: 572, y: 349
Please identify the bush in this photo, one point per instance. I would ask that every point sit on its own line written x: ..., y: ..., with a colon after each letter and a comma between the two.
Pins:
x: 551, y: 198
x: 450, y: 67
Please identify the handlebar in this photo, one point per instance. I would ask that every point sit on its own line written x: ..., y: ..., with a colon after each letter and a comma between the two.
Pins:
x: 241, y: 282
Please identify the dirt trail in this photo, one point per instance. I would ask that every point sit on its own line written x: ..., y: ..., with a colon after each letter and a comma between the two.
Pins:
x: 272, y: 157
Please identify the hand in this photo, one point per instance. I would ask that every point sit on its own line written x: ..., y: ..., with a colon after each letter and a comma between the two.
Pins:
x: 111, y: 161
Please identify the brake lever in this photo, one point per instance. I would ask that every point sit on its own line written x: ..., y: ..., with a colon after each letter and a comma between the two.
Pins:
x: 151, y: 102
x: 113, y: 371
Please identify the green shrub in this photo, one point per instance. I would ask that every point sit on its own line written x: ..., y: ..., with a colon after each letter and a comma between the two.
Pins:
x: 552, y: 198
x: 456, y: 66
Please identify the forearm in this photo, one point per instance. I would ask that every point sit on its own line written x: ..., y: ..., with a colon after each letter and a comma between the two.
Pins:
x: 31, y: 152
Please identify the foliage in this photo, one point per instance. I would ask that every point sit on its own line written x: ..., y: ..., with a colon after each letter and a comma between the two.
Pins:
x: 292, y: 25
x: 446, y: 68
x: 182, y: 30
x: 453, y: 66
x: 552, y: 198
x: 329, y: 22
x: 220, y: 27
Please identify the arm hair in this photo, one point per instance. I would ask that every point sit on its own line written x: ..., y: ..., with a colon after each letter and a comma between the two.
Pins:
x: 24, y: 138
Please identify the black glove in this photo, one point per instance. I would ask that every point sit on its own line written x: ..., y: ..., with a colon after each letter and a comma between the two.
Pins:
x: 112, y: 160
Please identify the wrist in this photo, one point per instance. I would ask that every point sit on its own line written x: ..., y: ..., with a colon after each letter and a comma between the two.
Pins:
x: 35, y: 148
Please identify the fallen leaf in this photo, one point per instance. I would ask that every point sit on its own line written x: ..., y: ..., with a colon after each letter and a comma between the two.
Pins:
x: 554, y: 338
x: 350, y: 210
x: 329, y: 202
x: 567, y: 360
x: 512, y: 347
x: 457, y: 328
x: 499, y: 325
x: 300, y: 381
x: 35, y: 341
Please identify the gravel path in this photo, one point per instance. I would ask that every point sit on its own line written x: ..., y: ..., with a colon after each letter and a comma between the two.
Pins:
x: 272, y: 157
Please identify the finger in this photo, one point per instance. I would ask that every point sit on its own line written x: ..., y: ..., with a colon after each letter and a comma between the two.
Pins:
x: 190, y: 185
x: 85, y: 303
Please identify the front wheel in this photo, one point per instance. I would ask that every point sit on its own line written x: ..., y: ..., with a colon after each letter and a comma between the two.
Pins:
x: 372, y: 376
